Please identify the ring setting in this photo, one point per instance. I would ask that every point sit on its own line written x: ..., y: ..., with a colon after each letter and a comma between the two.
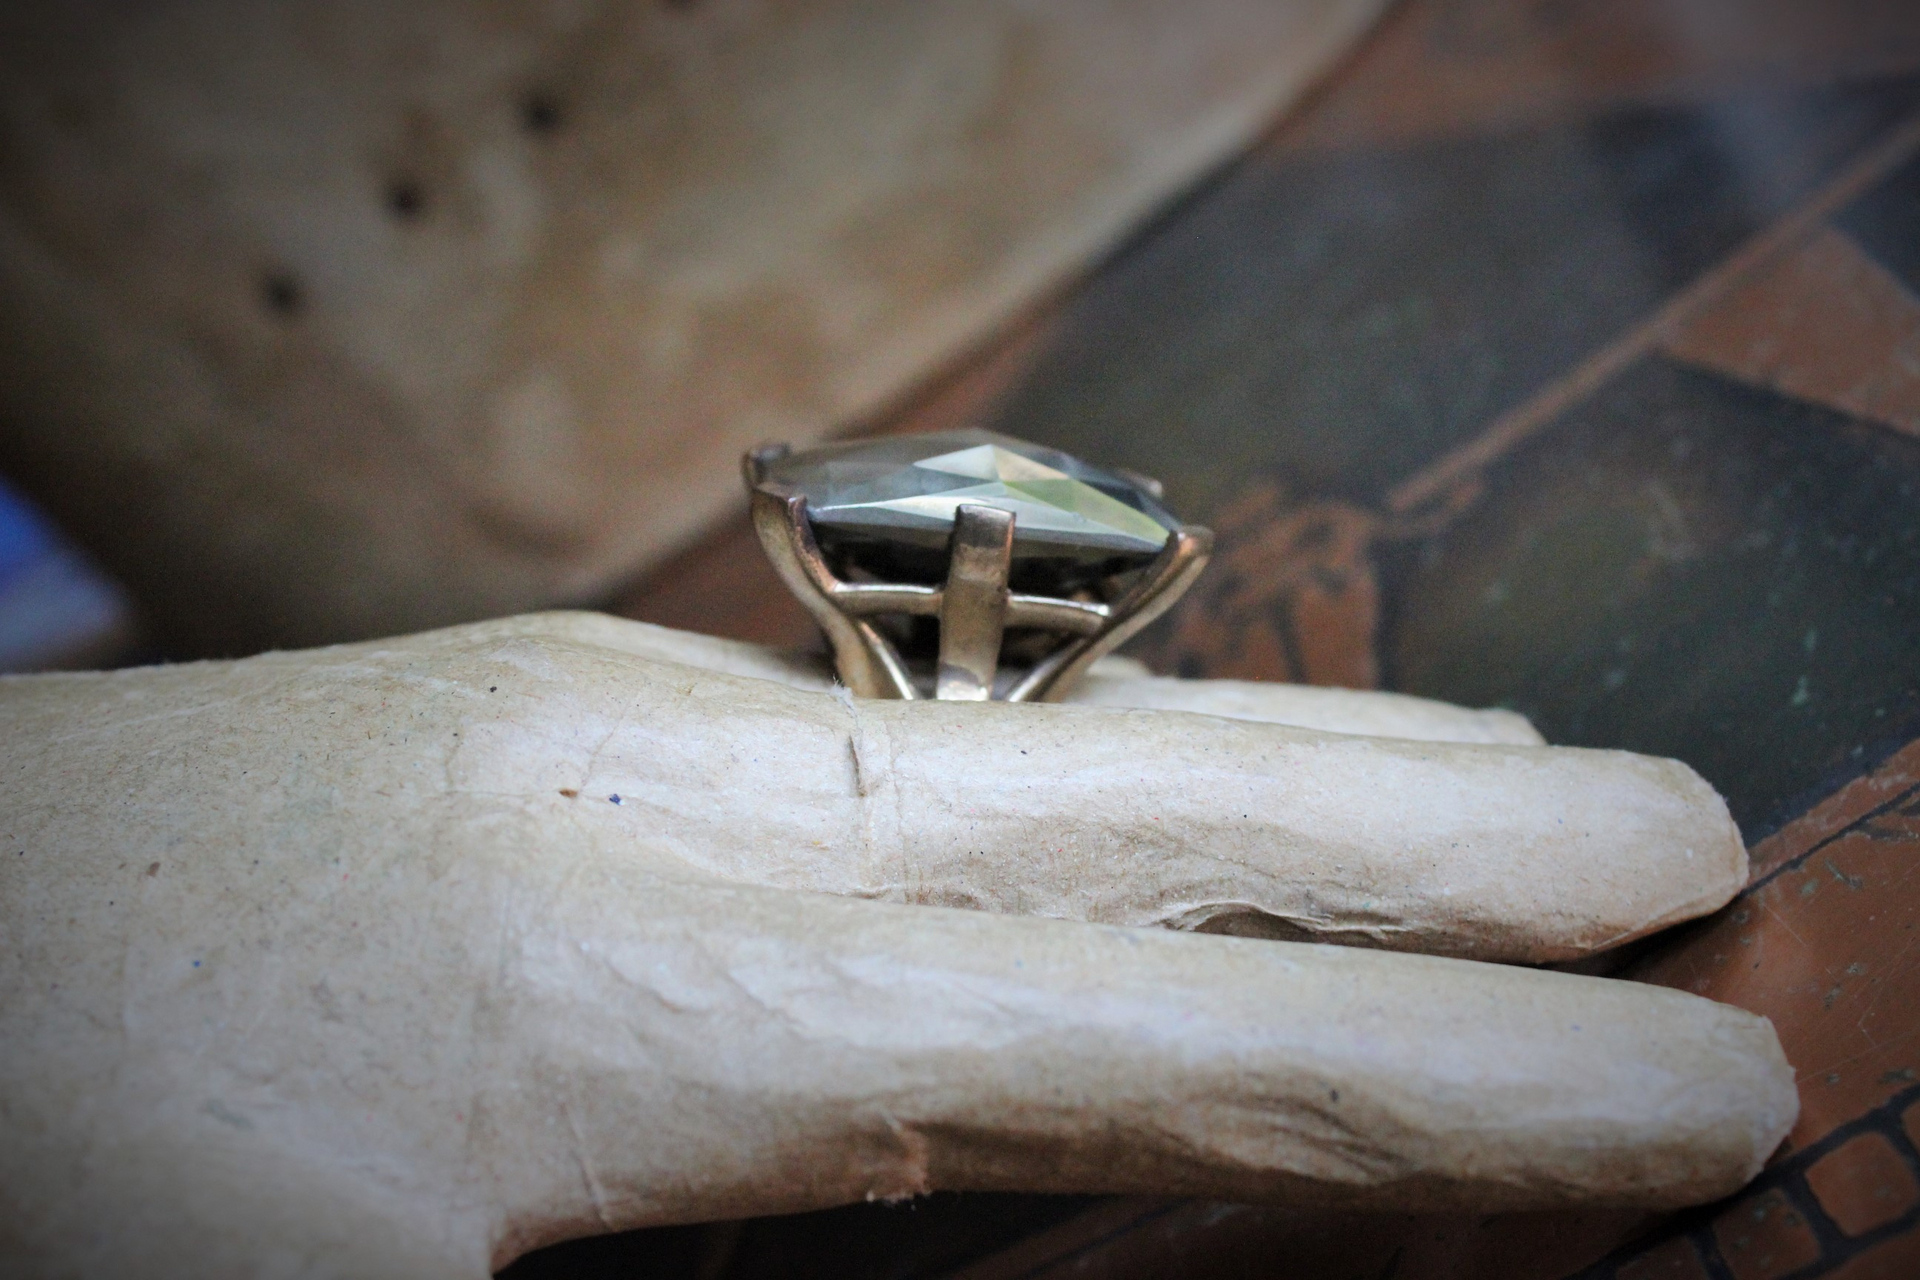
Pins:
x: 967, y: 565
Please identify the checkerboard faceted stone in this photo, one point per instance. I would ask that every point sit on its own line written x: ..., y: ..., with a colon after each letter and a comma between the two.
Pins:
x: 905, y: 489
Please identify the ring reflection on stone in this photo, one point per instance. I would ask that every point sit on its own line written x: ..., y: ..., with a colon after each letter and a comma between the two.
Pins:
x: 968, y: 565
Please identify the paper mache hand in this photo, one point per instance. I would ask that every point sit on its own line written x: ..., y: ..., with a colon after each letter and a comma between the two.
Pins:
x: 403, y: 958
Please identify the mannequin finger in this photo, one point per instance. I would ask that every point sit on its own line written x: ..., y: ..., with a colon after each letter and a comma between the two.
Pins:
x: 1359, y: 711
x: 1131, y: 817
x: 1155, y: 817
x: 1127, y: 817
x: 815, y: 1052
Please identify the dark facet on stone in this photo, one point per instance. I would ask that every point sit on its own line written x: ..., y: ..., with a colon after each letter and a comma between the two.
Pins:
x: 888, y: 505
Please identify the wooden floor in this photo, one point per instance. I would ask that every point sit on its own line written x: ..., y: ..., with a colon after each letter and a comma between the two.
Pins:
x: 1562, y: 355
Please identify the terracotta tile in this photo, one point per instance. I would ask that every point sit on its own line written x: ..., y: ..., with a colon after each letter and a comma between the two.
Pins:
x: 1124, y: 1241
x: 1764, y: 1236
x: 1863, y: 1184
x: 1822, y: 322
x: 1205, y: 1239
x: 1895, y: 1259
x: 1440, y: 67
x: 1674, y: 1260
x: 1829, y: 949
x: 1898, y: 773
x: 1515, y: 1246
x: 1291, y: 595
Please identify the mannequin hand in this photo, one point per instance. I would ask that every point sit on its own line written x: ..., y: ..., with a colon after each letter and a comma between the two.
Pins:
x: 403, y: 958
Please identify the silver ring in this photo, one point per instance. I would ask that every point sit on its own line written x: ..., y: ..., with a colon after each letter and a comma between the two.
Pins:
x: 967, y: 565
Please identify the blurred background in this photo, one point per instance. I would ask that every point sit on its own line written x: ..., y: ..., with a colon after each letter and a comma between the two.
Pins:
x: 1555, y: 354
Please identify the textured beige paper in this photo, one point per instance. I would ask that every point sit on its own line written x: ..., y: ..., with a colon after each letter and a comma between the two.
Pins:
x: 337, y: 318
x: 348, y: 961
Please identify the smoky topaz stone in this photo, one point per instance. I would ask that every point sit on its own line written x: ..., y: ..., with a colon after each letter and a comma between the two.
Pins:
x: 886, y: 507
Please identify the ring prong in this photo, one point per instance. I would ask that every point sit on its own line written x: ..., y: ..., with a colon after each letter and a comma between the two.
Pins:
x: 1152, y: 486
x: 757, y: 459
x: 973, y: 607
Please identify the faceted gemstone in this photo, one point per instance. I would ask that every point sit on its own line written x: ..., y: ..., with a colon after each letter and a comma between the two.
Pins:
x: 899, y: 495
